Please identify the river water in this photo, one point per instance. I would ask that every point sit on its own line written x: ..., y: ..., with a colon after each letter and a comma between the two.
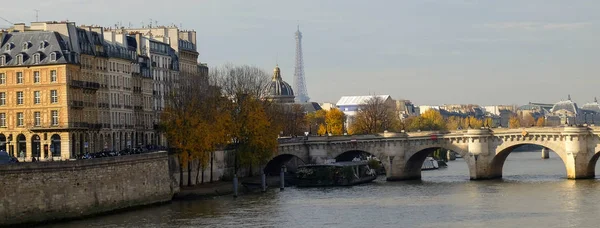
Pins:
x: 533, y: 193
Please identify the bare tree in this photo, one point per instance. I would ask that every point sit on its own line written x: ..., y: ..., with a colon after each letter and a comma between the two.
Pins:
x: 373, y: 117
x: 238, y: 81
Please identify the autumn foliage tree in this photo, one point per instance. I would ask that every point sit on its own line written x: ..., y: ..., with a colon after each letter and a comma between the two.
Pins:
x: 514, y: 122
x: 193, y: 123
x: 540, y: 122
x: 254, y: 128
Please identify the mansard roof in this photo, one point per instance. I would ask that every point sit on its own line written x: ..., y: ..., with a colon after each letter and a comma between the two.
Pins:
x: 44, y: 43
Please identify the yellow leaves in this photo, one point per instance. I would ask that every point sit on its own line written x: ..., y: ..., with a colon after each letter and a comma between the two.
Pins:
x: 429, y: 120
x: 514, y: 122
x: 335, y: 121
x: 540, y: 122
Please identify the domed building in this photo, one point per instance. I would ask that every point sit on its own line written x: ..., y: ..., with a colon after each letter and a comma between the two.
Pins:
x: 563, y: 112
x: 591, y: 112
x: 277, y: 90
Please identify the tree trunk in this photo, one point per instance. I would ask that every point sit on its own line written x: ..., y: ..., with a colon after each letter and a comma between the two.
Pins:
x: 212, y: 159
x: 198, y: 172
x: 189, y: 169
x: 202, y: 175
x: 180, y: 173
x: 250, y: 170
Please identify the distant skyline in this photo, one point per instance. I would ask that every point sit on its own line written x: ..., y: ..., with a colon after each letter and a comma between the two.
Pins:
x: 430, y: 52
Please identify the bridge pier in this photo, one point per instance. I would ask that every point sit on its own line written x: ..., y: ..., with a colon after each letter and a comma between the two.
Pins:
x: 545, y: 153
x: 577, y: 155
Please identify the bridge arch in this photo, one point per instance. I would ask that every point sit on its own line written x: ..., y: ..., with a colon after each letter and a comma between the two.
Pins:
x: 506, y: 148
x: 291, y: 161
x: 417, y: 155
x: 592, y: 164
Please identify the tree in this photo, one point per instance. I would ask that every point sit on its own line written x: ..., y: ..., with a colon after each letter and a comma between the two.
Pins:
x: 254, y: 127
x: 432, y: 120
x: 180, y: 120
x: 453, y: 123
x: 315, y: 119
x: 540, y: 122
x: 514, y: 122
x: 373, y: 117
x: 335, y: 121
x: 527, y: 120
x: 474, y: 122
x: 489, y: 122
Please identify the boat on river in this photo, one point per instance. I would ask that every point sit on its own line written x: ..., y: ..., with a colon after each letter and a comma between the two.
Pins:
x: 335, y: 174
x: 430, y: 164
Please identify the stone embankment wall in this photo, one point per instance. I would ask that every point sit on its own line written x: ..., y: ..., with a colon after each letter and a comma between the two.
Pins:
x: 43, y: 191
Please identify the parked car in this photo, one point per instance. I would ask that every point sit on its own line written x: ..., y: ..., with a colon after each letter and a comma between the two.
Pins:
x: 6, y: 159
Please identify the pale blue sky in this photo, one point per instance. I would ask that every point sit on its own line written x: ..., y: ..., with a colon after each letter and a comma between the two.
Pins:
x: 431, y: 52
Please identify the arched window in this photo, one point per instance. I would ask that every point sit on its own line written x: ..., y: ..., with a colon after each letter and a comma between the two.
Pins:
x: 36, y: 146
x: 21, y: 145
x: 7, y: 47
x: 36, y: 58
x: 2, y: 60
x: 53, y: 56
x: 25, y: 45
x: 55, y: 145
x: 42, y: 44
x: 20, y: 59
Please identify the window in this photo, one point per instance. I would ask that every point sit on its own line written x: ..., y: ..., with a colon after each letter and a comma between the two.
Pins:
x: 19, y: 77
x: 25, y: 45
x: 36, y: 58
x: 37, y: 97
x: 2, y: 98
x: 53, y: 56
x: 2, y: 119
x: 53, y: 76
x: 20, y: 97
x: 2, y: 78
x: 19, y: 59
x: 19, y: 119
x: 36, y: 77
x: 54, y: 96
x: 42, y: 45
x: 54, y: 117
x: 38, y: 119
x: 2, y: 60
x: 7, y: 47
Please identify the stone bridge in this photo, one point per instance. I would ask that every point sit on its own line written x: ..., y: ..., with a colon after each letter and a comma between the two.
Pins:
x: 484, y: 150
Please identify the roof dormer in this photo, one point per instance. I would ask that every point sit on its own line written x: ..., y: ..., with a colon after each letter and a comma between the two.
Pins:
x: 8, y: 46
x: 26, y: 45
x: 43, y: 44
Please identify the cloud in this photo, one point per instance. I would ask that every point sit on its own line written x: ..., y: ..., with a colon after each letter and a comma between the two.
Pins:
x: 537, y: 25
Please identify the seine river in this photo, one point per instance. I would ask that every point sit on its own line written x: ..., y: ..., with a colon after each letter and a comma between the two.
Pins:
x: 533, y: 193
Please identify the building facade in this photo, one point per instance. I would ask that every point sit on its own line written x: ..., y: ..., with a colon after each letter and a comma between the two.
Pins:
x: 66, y: 90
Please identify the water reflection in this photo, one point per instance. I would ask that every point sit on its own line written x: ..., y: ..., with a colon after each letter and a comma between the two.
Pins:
x: 533, y: 193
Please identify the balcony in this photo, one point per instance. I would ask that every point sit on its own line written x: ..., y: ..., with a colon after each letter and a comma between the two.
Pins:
x: 79, y: 125
x: 138, y: 108
x: 84, y: 84
x: 76, y: 104
x: 128, y: 107
x: 103, y: 105
x: 89, y: 104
